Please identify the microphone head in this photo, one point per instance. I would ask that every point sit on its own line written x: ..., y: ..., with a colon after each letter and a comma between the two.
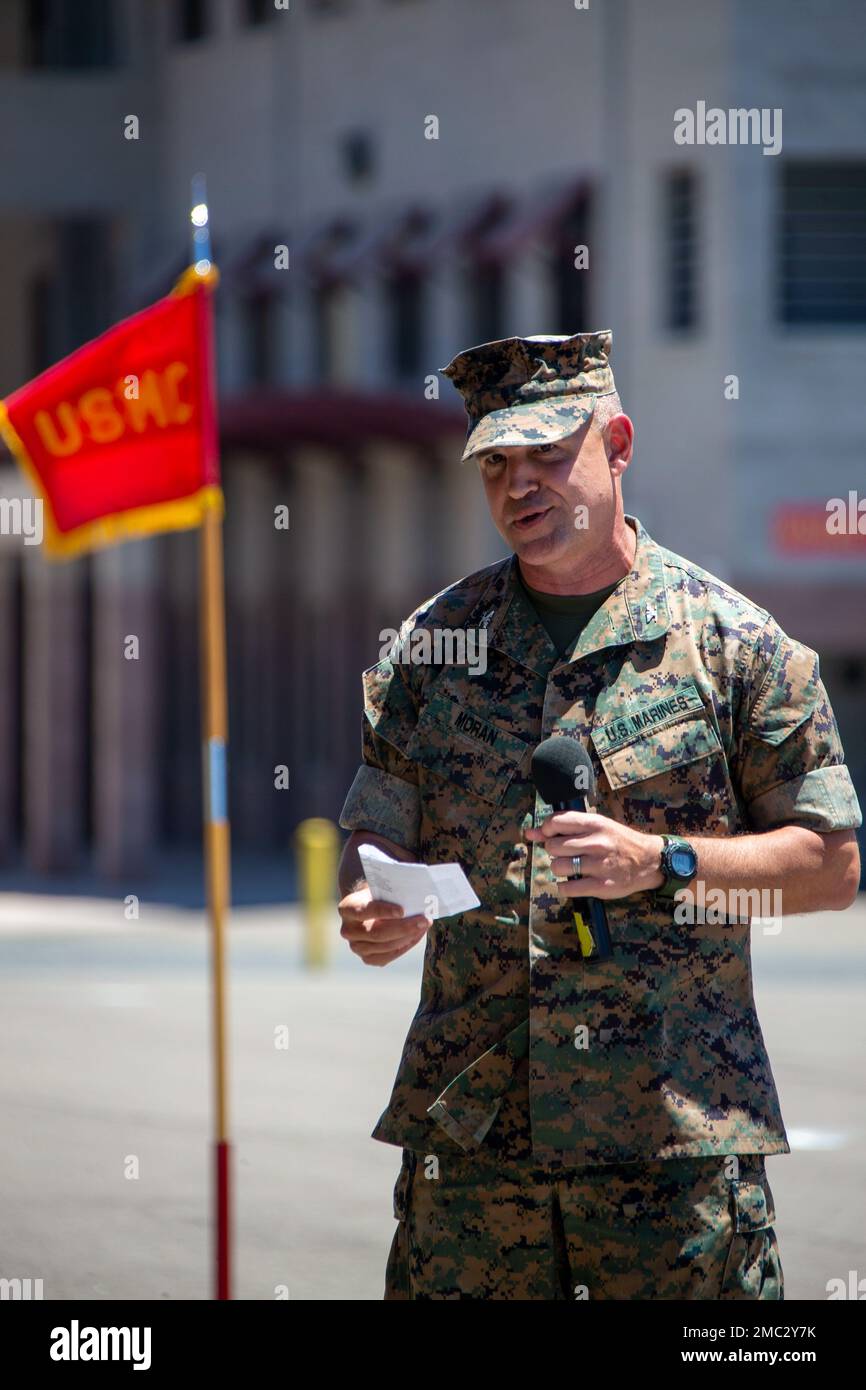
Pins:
x: 562, y: 770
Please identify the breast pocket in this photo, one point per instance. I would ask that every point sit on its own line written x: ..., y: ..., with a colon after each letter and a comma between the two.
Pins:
x: 467, y: 764
x: 669, y: 779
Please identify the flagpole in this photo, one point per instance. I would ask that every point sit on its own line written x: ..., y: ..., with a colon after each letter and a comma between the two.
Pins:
x: 217, y: 842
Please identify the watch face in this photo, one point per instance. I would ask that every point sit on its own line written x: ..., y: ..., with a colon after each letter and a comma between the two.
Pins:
x: 682, y: 862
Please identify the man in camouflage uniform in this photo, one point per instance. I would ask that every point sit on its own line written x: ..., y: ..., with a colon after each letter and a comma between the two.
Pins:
x: 575, y: 1126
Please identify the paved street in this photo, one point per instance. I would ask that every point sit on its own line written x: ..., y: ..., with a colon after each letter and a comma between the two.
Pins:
x: 104, y: 1033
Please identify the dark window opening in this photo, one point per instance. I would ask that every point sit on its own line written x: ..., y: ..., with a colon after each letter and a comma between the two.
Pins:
x: 486, y: 299
x: 405, y: 324
x: 821, y: 243
x: 680, y: 249
x: 358, y: 157
x: 42, y: 325
x: 192, y: 20
x: 85, y: 282
x: 261, y: 339
x: 70, y: 33
x: 571, y: 284
x: 258, y: 11
x: 324, y: 348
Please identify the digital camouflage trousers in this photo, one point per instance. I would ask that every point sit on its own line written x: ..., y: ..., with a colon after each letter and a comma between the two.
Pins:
x: 693, y: 1228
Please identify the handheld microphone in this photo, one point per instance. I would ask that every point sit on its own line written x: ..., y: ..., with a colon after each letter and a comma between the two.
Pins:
x: 563, y: 775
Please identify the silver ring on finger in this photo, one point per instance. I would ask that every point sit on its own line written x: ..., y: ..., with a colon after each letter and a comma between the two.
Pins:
x: 575, y: 864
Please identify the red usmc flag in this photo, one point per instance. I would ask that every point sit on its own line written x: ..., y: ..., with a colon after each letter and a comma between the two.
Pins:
x: 119, y: 438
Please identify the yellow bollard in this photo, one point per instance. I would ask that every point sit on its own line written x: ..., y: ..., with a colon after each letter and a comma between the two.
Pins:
x: 316, y: 842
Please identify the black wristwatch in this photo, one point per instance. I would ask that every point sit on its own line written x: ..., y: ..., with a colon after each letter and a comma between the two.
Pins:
x: 678, y: 863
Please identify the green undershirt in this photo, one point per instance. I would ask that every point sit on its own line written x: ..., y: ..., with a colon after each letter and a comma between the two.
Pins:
x: 564, y: 616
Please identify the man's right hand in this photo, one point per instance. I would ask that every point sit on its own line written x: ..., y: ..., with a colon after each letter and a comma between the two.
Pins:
x: 378, y: 931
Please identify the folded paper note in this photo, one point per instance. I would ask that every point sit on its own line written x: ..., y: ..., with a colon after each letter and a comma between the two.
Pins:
x: 437, y: 890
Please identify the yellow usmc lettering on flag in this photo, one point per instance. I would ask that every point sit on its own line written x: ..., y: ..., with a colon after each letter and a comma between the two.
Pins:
x: 100, y: 416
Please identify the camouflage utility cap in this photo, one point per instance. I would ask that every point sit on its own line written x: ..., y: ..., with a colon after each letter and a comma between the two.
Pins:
x: 531, y: 390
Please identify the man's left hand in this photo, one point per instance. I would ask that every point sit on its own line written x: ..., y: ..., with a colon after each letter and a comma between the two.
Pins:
x: 615, y: 861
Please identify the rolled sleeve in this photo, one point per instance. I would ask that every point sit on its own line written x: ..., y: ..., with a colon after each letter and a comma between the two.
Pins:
x: 791, y: 766
x: 383, y: 804
x: 385, y: 797
x: 822, y: 800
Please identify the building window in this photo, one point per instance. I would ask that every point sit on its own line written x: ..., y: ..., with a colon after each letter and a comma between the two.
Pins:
x: 85, y: 279
x: 485, y: 292
x: 357, y: 156
x: 569, y: 282
x: 70, y: 33
x: 821, y: 242
x: 680, y: 234
x: 405, y: 321
x: 335, y: 333
x: 261, y: 339
x: 42, y: 326
x: 192, y: 20
x: 323, y: 336
x: 257, y: 11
